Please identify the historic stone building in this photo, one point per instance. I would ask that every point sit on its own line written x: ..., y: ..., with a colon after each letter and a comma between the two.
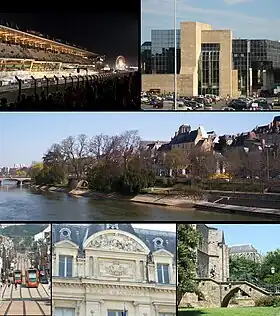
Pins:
x: 212, y: 266
x: 113, y: 270
x: 246, y: 251
x: 215, y: 287
x: 212, y: 254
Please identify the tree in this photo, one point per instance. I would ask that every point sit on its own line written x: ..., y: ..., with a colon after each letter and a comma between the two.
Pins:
x: 176, y: 159
x: 51, y: 175
x: 103, y: 176
x: 203, y: 163
x: 54, y: 156
x: 188, y: 241
x: 244, y: 269
x: 76, y: 153
x: 272, y: 259
x: 35, y: 169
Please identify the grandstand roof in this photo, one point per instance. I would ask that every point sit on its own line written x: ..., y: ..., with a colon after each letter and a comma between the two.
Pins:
x: 19, y: 35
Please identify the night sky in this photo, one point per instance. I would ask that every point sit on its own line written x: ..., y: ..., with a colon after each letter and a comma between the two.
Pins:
x: 112, y: 32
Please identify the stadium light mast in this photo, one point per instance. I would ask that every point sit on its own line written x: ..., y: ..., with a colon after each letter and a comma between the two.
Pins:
x: 175, y: 55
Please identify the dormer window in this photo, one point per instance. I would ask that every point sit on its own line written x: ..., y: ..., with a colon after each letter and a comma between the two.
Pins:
x: 158, y: 242
x: 112, y: 226
x: 65, y: 233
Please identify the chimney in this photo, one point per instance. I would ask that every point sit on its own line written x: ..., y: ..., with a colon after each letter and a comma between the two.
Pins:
x: 176, y: 134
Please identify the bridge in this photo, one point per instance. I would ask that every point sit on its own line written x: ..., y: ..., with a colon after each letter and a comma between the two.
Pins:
x: 19, y: 180
x: 219, y: 294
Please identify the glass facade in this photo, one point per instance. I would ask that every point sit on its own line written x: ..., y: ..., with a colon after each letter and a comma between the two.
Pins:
x: 146, y: 58
x: 162, y: 52
x: 209, y: 69
x: 258, y: 55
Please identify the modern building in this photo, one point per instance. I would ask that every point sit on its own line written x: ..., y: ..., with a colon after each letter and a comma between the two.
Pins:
x: 209, y: 61
x: 204, y: 63
x: 245, y: 251
x: 258, y: 64
x: 113, y: 270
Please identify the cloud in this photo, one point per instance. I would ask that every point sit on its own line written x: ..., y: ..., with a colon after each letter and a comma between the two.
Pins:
x: 231, y: 2
x: 152, y: 7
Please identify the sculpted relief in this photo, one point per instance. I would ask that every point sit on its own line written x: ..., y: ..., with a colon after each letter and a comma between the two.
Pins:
x: 116, y: 268
x: 116, y: 242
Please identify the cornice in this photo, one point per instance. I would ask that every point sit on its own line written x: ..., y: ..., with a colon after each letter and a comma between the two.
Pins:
x: 103, y: 285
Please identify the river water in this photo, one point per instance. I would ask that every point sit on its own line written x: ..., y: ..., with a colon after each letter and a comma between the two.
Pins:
x: 21, y: 204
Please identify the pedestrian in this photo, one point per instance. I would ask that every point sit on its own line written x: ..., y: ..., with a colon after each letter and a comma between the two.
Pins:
x: 9, y: 283
x: 15, y: 286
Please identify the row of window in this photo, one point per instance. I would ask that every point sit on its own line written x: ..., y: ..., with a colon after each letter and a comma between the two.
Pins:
x: 71, y: 312
x: 66, y: 269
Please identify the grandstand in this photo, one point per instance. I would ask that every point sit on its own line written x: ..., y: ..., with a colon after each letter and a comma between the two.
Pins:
x: 29, y: 53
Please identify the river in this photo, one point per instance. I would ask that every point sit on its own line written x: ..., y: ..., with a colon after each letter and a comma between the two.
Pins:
x: 21, y: 204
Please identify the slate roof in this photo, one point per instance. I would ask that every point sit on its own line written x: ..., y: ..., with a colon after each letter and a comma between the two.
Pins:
x: 242, y: 249
x: 184, y: 138
x: 80, y: 233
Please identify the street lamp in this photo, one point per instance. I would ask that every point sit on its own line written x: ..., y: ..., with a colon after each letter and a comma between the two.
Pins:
x: 273, y: 280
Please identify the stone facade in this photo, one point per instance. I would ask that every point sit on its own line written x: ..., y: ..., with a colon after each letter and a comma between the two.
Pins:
x: 212, y: 254
x: 193, y: 34
x: 216, y: 289
x: 113, y: 268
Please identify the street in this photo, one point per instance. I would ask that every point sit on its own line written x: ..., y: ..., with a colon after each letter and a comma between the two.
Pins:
x: 23, y: 300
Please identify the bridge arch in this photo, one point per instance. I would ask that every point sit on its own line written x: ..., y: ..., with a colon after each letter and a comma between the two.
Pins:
x: 230, y: 295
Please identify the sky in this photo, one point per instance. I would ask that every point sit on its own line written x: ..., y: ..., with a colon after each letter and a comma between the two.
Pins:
x: 256, y: 19
x: 264, y: 237
x: 112, y: 31
x: 25, y: 137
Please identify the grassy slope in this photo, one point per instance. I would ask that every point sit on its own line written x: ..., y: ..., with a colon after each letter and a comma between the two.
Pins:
x: 245, y: 311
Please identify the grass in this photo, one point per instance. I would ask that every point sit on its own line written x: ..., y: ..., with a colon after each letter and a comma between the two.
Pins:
x: 234, y: 311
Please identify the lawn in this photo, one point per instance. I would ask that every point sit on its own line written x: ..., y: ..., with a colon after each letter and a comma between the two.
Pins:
x: 241, y: 311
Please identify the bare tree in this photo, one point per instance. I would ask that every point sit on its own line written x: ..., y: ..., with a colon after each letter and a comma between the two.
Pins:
x: 76, y: 152
x: 176, y: 159
x: 203, y: 163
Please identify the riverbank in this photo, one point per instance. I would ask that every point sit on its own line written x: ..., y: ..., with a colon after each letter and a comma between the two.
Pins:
x: 179, y: 201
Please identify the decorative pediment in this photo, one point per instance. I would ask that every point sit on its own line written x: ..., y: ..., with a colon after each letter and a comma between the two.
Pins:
x: 162, y: 253
x: 66, y: 244
x: 116, y: 242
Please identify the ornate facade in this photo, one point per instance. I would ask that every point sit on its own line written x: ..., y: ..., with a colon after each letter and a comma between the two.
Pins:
x: 113, y: 270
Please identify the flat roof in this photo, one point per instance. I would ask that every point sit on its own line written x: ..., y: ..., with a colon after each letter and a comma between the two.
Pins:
x: 4, y: 29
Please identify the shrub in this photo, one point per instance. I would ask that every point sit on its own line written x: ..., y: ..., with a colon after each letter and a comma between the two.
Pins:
x: 267, y: 301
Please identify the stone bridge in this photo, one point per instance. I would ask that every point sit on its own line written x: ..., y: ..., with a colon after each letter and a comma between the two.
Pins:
x: 218, y: 294
x: 19, y: 180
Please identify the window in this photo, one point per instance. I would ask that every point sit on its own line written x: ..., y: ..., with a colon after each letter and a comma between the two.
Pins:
x: 112, y: 226
x: 65, y: 233
x: 116, y: 313
x: 58, y: 311
x: 65, y: 266
x: 163, y: 273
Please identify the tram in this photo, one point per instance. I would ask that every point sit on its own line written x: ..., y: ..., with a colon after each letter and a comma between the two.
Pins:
x: 31, y: 277
x: 43, y: 278
x: 17, y: 277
